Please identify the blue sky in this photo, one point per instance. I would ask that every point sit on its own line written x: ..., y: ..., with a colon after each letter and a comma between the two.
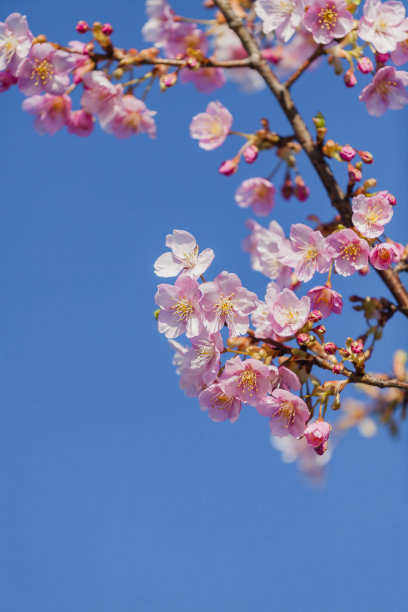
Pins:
x: 117, y: 493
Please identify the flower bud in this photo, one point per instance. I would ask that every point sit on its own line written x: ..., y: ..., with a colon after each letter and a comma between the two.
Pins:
x: 82, y: 27
x: 354, y: 173
x: 350, y: 78
x: 364, y: 271
x: 329, y: 348
x: 229, y: 166
x: 107, y: 29
x: 320, y: 329
x: 273, y: 55
x: 320, y: 450
x: 168, y: 80
x: 287, y: 188
x: 347, y: 153
x: 301, y: 191
x: 317, y: 433
x: 303, y: 339
x: 391, y: 198
x: 337, y: 368
x: 344, y: 353
x: 251, y: 154
x: 382, y: 58
x: 365, y: 65
x: 315, y: 316
x: 366, y: 157
x: 357, y: 347
x: 192, y: 63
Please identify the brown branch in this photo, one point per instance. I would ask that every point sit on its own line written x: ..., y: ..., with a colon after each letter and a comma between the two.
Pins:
x: 338, y: 199
x: 294, y: 77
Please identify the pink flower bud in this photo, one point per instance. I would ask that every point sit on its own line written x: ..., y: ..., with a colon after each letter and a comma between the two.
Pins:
x: 320, y: 329
x: 320, y: 450
x: 357, y: 347
x: 287, y: 189
x: 365, y: 65
x: 228, y: 167
x: 347, y: 153
x: 107, y: 29
x: 354, y: 173
x: 301, y: 191
x: 366, y: 157
x: 337, y: 368
x: 382, y: 58
x: 82, y: 27
x: 273, y: 55
x: 80, y: 123
x: 344, y: 353
x: 303, y: 339
x: 250, y: 154
x: 315, y: 316
x: 330, y: 348
x: 317, y: 433
x: 6, y: 80
x: 168, y: 80
x: 391, y: 198
x: 192, y: 63
x: 350, y: 78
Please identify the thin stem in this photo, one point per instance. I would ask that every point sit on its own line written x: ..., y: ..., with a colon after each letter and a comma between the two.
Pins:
x: 294, y: 77
x: 198, y: 21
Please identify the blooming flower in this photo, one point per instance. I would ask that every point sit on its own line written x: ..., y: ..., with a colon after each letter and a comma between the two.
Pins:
x: 383, y: 25
x: 326, y: 300
x: 288, y: 379
x: 130, y: 117
x: 15, y: 42
x: 261, y: 317
x: 44, y: 69
x: 289, y: 314
x: 246, y: 380
x: 226, y: 301
x: 387, y: 90
x: 157, y: 28
x: 191, y: 381
x: 206, y: 80
x: 307, y: 253
x: 80, y: 123
x: 400, y: 55
x: 259, y: 193
x: 220, y: 406
x: 184, y: 258
x: 371, y: 214
x: 211, y: 128
x: 317, y: 434
x: 327, y: 20
x: 350, y: 251
x: 280, y: 16
x: 288, y: 413
x: 383, y: 255
x: 204, y: 355
x: 100, y: 96
x: 52, y: 112
x: 179, y: 308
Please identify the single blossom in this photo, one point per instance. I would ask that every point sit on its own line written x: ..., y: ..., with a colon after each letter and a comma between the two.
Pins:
x: 211, y: 128
x: 308, y: 252
x: 161, y: 21
x: 317, y: 434
x: 262, y: 317
x: 15, y: 42
x: 226, y: 301
x: 184, y: 258
x: 130, y: 117
x: 204, y: 355
x: 328, y: 20
x: 246, y: 380
x: 289, y: 313
x: 52, y: 112
x: 371, y: 214
x: 80, y: 123
x: 326, y: 300
x: 288, y: 413
x: 383, y: 255
x: 280, y: 16
x: 191, y: 381
x: 383, y: 25
x: 265, y: 246
x: 45, y: 69
x: 220, y: 406
x: 258, y: 193
x: 349, y: 251
x: 100, y: 96
x: 179, y: 308
x: 206, y: 80
x: 387, y: 90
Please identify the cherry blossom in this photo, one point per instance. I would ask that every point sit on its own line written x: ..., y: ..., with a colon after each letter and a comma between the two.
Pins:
x: 258, y: 193
x: 383, y: 255
x: 265, y: 246
x: 246, y: 380
x: 211, y: 128
x: 52, y: 112
x: 184, y: 258
x: 317, y: 434
x: 204, y: 355
x: 6, y: 80
x: 225, y: 301
x: 371, y: 214
x: 288, y: 413
x: 80, y: 123
x: 400, y: 55
x: 220, y: 406
x: 280, y: 16
x: 350, y: 252
x: 328, y: 20
x: 45, y: 69
x: 261, y: 318
x: 100, y: 96
x: 179, y: 308
x: 289, y: 313
x: 387, y: 90
x: 130, y: 117
x: 326, y: 300
x: 308, y: 252
x: 383, y: 25
x: 206, y: 80
x: 15, y: 42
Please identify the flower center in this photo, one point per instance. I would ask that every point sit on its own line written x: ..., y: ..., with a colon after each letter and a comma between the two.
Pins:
x: 222, y: 401
x: 204, y: 352
x: 328, y: 16
x: 286, y: 413
x: 183, y: 308
x: 225, y: 307
x: 190, y: 258
x: 216, y: 128
x: 261, y: 192
x: 350, y: 252
x: 384, y: 254
x: 247, y: 381
x: 42, y: 72
x: 8, y: 48
x: 132, y: 121
x: 309, y: 253
x: 373, y: 214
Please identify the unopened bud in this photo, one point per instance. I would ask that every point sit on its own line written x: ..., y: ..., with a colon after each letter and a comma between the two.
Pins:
x: 365, y: 65
x: 250, y: 154
x: 366, y: 157
x: 350, y: 78
x: 107, y: 29
x: 315, y: 316
x: 319, y: 121
x: 301, y: 191
x: 344, y: 353
x: 229, y: 166
x: 273, y: 55
x: 382, y: 58
x: 303, y: 339
x: 357, y: 347
x: 192, y: 63
x: 168, y: 80
x: 354, y: 173
x: 369, y: 184
x: 320, y: 329
x: 347, y: 153
x: 337, y: 368
x: 287, y: 188
x: 82, y: 27
x: 330, y: 348
x: 320, y: 450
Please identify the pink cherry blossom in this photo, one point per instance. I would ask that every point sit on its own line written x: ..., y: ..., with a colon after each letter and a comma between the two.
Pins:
x: 259, y: 193
x: 288, y: 379
x: 371, y: 214
x: 179, y: 308
x: 387, y: 90
x: 229, y: 47
x: 317, y: 434
x: 220, y: 406
x: 326, y: 300
x: 350, y: 251
x: 183, y: 258
x: 400, y: 55
x: 191, y: 381
x: 156, y: 30
x: 308, y: 252
x: 265, y: 246
x: 289, y: 313
x: 328, y: 20
x: 6, y: 80
x: 246, y: 380
x: 383, y: 24
x: 15, y: 42
x: 206, y: 80
x: 383, y: 255
x: 80, y: 123
x: 130, y: 117
x: 280, y: 16
x: 261, y: 317
x: 204, y: 355
x: 45, y: 69
x: 288, y: 413
x: 211, y: 128
x: 100, y: 96
x: 52, y: 112
x: 226, y: 301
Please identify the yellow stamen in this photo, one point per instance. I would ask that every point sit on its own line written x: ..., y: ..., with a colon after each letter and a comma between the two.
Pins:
x: 183, y: 309
x: 42, y: 72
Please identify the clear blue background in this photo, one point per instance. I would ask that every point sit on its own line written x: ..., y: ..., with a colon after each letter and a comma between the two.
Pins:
x: 116, y: 493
